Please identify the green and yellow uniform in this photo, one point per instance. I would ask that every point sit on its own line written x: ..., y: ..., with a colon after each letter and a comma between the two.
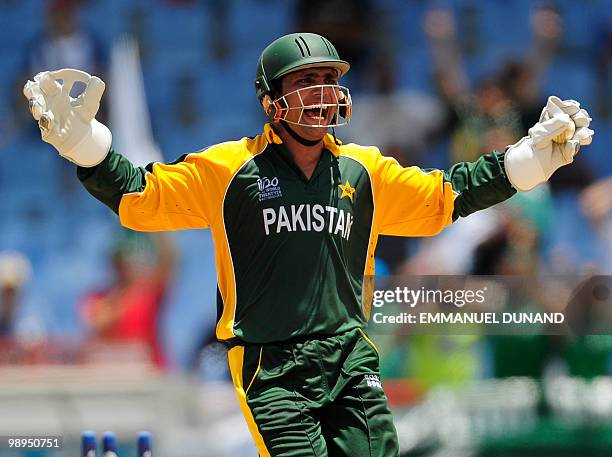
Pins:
x: 292, y: 254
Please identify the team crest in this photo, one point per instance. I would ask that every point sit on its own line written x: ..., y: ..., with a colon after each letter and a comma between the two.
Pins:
x: 269, y: 188
x: 347, y: 191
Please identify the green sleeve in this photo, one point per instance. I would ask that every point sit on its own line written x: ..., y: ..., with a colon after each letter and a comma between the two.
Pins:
x: 479, y: 184
x: 112, y: 178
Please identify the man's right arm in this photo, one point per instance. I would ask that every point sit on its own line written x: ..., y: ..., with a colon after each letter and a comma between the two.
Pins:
x: 152, y: 198
x: 111, y: 179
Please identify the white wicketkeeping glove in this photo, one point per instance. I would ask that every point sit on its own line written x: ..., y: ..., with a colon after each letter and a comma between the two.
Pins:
x: 68, y: 123
x: 534, y: 158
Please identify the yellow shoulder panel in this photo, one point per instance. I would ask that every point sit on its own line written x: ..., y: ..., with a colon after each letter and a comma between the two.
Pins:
x: 187, y: 194
x: 407, y: 200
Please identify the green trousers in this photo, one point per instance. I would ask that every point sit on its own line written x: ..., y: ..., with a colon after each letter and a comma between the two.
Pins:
x: 314, y: 397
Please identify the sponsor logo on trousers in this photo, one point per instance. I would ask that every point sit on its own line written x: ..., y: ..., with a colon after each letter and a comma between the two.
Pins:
x: 372, y: 380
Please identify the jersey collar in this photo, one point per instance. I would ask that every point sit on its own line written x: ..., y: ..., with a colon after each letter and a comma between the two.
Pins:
x: 328, y: 140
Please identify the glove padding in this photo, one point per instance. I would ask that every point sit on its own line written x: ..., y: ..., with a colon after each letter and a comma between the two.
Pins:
x: 68, y: 123
x: 583, y: 135
x: 534, y: 158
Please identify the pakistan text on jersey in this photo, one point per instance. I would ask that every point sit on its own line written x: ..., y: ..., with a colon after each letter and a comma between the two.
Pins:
x: 308, y: 218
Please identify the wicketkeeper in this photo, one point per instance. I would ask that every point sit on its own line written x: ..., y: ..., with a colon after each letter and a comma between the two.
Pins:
x: 295, y: 216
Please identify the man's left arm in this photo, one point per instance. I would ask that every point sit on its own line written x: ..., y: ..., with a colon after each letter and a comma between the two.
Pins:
x: 410, y: 201
x: 414, y: 202
x: 478, y: 185
x: 553, y: 142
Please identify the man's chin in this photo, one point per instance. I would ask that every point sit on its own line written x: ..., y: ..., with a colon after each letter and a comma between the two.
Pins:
x: 310, y: 133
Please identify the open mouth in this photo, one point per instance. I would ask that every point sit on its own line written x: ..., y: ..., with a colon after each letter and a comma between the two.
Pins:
x: 319, y: 106
x: 316, y: 114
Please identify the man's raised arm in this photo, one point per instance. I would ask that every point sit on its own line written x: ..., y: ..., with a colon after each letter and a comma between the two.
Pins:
x: 153, y: 198
x: 414, y: 202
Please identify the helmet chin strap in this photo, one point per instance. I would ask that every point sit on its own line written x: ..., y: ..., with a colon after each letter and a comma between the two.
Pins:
x: 298, y: 138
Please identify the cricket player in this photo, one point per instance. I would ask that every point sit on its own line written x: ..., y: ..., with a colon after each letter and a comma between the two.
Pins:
x: 295, y: 216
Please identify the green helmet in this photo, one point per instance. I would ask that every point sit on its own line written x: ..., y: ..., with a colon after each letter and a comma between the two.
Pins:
x: 293, y: 52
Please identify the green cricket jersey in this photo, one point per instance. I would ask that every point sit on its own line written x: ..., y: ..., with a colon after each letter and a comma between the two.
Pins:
x: 292, y: 253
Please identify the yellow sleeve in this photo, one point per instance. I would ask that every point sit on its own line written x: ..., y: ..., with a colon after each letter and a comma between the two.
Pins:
x: 407, y: 200
x: 186, y: 194
x: 175, y: 196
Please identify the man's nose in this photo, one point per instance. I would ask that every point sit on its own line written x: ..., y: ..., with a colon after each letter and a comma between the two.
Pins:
x: 329, y: 95
x: 325, y: 95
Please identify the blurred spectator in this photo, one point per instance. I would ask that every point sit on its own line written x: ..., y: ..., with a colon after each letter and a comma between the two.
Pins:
x: 489, y: 120
x: 460, y: 239
x: 127, y: 310
x: 521, y: 81
x: 354, y: 27
x: 481, y: 240
x: 181, y: 2
x: 64, y: 43
x: 185, y: 105
x: 525, y: 83
x: 523, y: 77
x: 136, y: 28
x: 399, y: 121
x: 504, y: 105
x: 596, y: 203
x: 586, y: 351
x: 603, y: 62
x: 218, y: 39
x: 511, y: 250
x: 480, y: 120
x: 453, y: 360
x: 15, y: 270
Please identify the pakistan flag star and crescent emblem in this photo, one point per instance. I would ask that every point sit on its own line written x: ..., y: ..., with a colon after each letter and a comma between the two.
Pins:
x: 347, y: 191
